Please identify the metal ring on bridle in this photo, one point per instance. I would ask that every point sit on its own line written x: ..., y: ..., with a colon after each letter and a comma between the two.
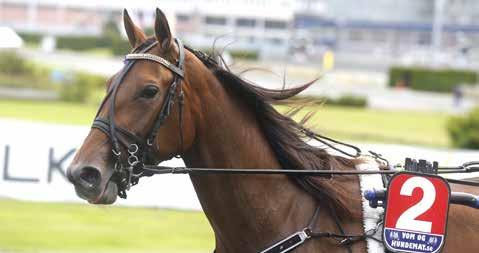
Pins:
x: 133, y: 160
x: 132, y: 149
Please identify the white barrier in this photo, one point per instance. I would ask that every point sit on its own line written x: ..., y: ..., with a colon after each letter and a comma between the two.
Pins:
x: 34, y: 158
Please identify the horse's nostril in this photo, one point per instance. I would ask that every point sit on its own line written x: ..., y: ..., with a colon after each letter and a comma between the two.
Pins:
x: 90, y: 175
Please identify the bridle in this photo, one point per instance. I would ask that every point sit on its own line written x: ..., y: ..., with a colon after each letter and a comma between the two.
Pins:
x: 140, y: 148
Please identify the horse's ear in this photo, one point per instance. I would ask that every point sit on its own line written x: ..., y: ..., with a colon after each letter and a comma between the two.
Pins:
x: 135, y: 35
x: 162, y: 30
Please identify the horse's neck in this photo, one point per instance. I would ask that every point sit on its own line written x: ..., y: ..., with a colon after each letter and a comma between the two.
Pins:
x: 247, y: 213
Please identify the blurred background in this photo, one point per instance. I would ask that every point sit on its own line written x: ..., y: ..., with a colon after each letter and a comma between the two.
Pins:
x: 397, y: 77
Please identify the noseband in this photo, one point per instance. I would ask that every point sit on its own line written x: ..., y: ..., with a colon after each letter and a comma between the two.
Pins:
x: 139, y: 148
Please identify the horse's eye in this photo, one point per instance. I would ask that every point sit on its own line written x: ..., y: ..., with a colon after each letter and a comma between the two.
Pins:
x: 149, y: 92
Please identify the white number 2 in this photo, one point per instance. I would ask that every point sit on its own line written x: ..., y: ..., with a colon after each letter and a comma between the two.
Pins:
x: 408, y: 220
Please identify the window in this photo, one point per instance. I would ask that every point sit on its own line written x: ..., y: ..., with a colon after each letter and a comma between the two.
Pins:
x: 424, y: 38
x: 215, y: 20
x: 182, y: 18
x: 275, y: 41
x: 275, y: 24
x: 379, y: 36
x: 245, y: 22
x: 355, y: 35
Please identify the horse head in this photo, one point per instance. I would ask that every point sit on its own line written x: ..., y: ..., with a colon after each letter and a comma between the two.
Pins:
x: 144, y: 118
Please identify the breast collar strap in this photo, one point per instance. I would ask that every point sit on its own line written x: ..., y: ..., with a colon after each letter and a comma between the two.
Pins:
x: 139, y: 148
x: 295, y: 240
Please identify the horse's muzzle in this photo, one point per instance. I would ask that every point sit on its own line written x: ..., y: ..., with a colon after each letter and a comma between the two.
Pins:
x: 89, y: 186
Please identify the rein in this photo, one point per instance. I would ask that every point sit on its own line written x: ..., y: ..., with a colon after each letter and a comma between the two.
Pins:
x: 160, y: 170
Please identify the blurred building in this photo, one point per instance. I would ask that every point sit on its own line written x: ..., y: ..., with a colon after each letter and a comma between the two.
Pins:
x: 262, y: 25
x: 54, y: 17
x: 365, y: 25
x: 271, y: 27
x: 384, y: 26
x: 463, y: 12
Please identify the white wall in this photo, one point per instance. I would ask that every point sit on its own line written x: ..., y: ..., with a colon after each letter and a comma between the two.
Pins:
x: 25, y: 169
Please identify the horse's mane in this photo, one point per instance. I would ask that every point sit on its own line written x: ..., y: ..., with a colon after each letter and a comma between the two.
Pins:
x: 287, y: 137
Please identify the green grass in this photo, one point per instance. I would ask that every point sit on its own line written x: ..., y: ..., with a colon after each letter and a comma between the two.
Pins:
x: 367, y: 125
x: 42, y: 82
x: 98, y: 52
x: 42, y: 227
x: 415, y: 128
x: 48, y: 111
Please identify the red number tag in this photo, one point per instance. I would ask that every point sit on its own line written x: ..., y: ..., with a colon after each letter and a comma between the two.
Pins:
x: 416, y: 213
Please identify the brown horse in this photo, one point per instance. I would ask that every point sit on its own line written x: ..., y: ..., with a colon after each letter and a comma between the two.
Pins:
x: 226, y: 122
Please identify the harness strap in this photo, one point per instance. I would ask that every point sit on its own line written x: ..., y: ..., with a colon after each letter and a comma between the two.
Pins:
x: 181, y: 58
x: 113, y: 93
x: 181, y: 102
x: 181, y: 95
x: 158, y: 59
x: 346, y: 241
x: 295, y: 240
x: 169, y: 101
x: 121, y: 136
x: 103, y: 125
x: 328, y: 142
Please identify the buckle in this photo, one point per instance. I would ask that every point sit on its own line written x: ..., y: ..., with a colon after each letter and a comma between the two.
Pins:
x: 307, y: 233
x: 149, y: 142
x: 116, y: 153
x: 345, y: 241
